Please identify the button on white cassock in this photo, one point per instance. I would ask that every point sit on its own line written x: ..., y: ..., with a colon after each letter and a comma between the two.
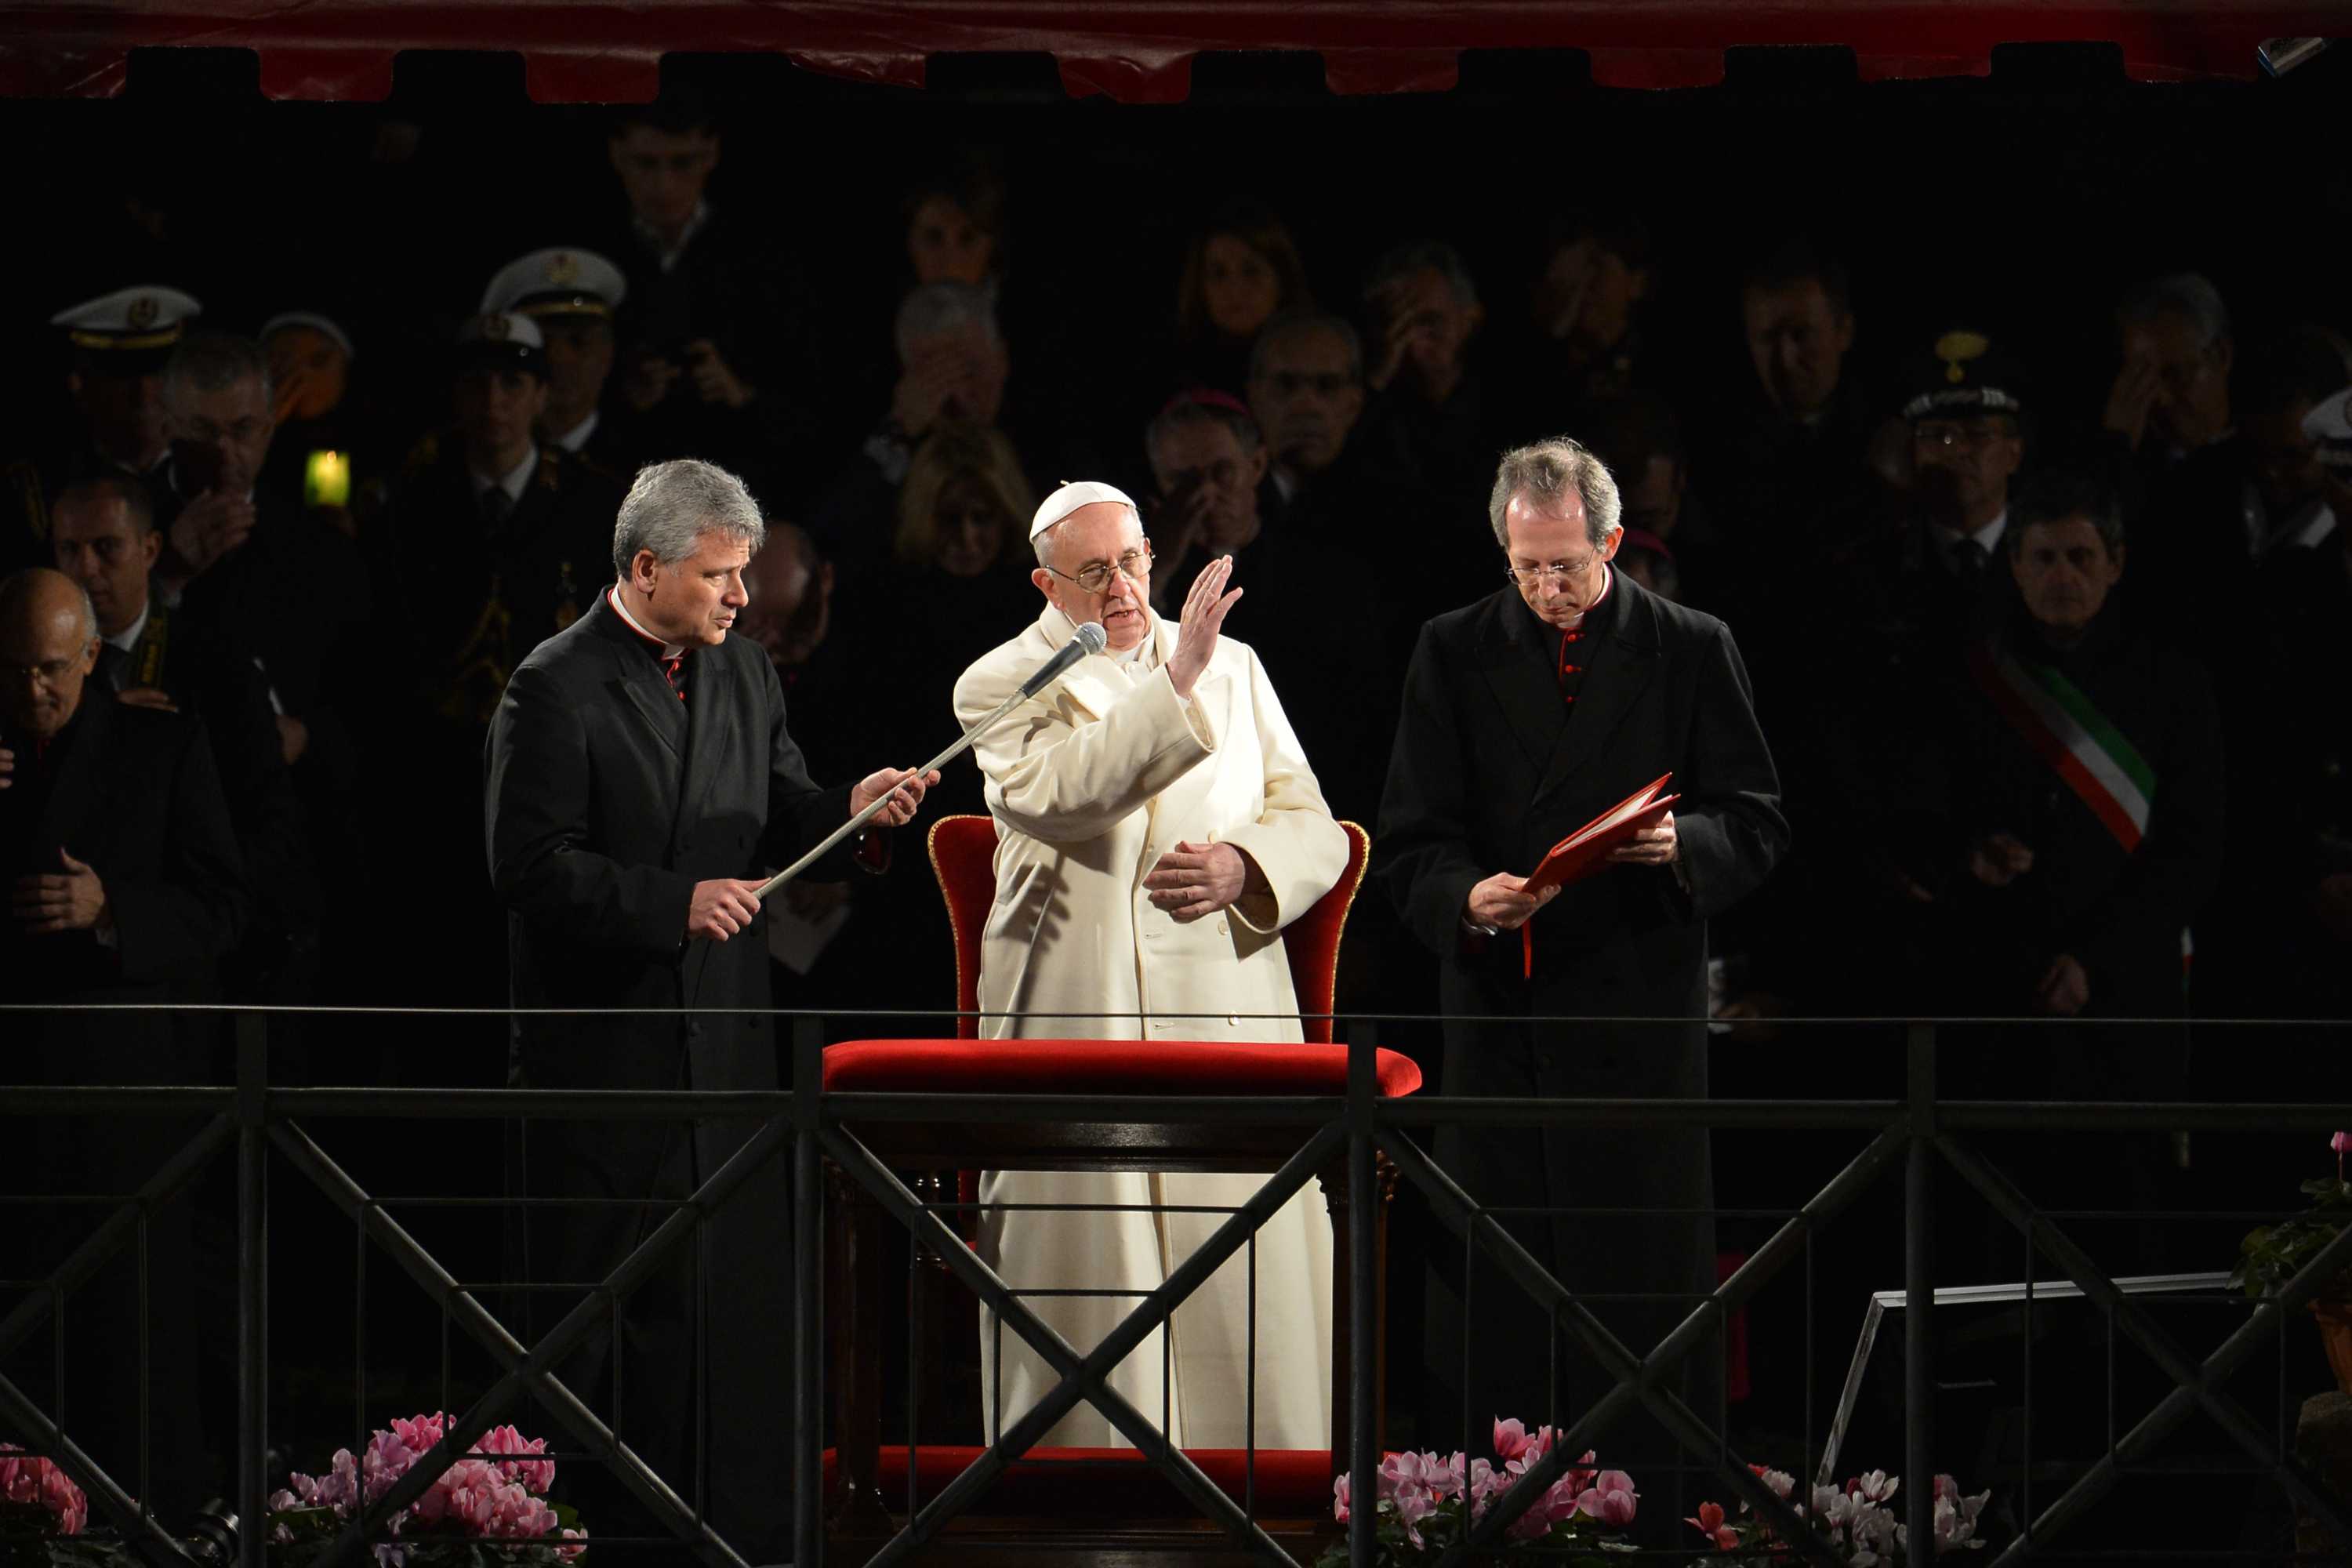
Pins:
x: 1089, y: 785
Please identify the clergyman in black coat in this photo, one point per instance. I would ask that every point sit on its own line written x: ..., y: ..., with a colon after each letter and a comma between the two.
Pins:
x: 1525, y: 715
x: 638, y: 775
x: 124, y: 885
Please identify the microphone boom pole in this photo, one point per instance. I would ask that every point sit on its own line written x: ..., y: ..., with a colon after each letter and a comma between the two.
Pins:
x: 1053, y: 671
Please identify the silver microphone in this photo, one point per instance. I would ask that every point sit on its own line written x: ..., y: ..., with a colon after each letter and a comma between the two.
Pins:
x: 1091, y: 638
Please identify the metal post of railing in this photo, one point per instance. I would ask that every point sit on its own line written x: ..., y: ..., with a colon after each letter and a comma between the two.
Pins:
x: 1919, y: 1295
x: 808, y: 1292
x: 1363, y: 1291
x: 252, y: 1290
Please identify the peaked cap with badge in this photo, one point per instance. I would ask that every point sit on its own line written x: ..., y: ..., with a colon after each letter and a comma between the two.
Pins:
x: 132, y: 330
x: 1963, y: 373
x: 557, y: 282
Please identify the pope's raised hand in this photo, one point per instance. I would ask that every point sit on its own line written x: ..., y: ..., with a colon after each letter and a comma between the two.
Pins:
x: 1204, y: 618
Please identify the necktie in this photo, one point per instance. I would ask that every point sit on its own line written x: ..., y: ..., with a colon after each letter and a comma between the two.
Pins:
x: 1968, y: 560
x: 496, y: 505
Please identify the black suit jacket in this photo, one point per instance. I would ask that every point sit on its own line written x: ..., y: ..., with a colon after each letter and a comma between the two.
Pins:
x: 607, y: 799
x: 133, y: 794
x: 1489, y: 771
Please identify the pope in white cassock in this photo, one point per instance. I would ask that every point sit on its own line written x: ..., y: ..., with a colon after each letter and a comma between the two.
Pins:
x: 1157, y: 827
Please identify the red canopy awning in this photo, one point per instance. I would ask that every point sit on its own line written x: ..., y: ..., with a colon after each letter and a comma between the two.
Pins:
x: 1133, y: 50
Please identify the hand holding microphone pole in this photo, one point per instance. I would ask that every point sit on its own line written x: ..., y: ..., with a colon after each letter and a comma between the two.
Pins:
x: 900, y: 795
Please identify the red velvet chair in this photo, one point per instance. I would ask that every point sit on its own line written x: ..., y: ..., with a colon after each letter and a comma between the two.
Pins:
x: 962, y: 850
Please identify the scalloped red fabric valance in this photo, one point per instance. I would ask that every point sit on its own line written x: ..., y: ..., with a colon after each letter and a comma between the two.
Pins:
x: 1137, y: 51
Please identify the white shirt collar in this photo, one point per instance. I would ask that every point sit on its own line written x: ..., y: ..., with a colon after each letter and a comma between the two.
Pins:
x: 513, y: 481
x: 669, y: 649
x: 574, y: 440
x: 1608, y: 582
x: 1988, y: 538
x: 668, y: 257
x: 128, y: 638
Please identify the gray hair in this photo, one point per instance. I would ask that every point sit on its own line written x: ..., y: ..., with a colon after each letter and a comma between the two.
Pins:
x: 1298, y: 324
x: 209, y: 360
x: 1423, y: 256
x: 672, y: 505
x: 2187, y: 294
x: 1543, y: 473
x: 937, y: 307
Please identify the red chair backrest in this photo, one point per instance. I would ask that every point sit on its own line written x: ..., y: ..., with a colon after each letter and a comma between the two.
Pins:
x: 963, y: 857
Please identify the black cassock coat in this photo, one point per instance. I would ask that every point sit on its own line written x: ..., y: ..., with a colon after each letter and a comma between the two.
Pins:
x: 607, y: 800
x: 133, y: 794
x: 1491, y: 768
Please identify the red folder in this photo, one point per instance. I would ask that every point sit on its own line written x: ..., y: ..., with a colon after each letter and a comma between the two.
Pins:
x: 1586, y: 850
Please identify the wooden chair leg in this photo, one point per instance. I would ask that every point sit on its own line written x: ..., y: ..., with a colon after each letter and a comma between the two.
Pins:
x: 853, y: 1305
x: 1335, y: 1198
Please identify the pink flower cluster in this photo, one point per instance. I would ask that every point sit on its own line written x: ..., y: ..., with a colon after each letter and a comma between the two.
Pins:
x: 1412, y: 1488
x: 2342, y: 1144
x: 35, y: 1483
x: 1859, y: 1519
x: 487, y: 1498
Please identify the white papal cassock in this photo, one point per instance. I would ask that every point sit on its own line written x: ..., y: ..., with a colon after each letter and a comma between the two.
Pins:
x: 1091, y: 785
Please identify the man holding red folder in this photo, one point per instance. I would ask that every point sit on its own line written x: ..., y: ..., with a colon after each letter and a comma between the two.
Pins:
x: 1555, y: 701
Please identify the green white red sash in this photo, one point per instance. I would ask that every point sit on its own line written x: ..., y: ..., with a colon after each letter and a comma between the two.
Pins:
x: 2074, y: 738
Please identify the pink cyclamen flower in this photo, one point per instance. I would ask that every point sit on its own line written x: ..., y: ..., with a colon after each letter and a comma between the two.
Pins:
x: 571, y: 1553
x: 1710, y: 1524
x: 538, y: 1474
x: 1408, y: 1472
x: 1413, y: 1505
x: 2342, y: 1144
x: 1340, y: 1499
x: 33, y: 1481
x: 1510, y: 1440
x: 65, y: 1500
x: 1609, y: 1500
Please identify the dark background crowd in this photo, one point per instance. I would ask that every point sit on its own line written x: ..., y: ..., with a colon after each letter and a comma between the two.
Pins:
x: 1300, y: 331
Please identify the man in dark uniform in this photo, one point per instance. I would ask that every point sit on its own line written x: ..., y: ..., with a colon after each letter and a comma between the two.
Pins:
x: 103, y: 536
x: 125, y: 886
x: 542, y: 519
x: 1525, y: 715
x: 571, y: 296
x: 1923, y: 581
x: 638, y: 775
x: 118, y: 343
x: 494, y: 543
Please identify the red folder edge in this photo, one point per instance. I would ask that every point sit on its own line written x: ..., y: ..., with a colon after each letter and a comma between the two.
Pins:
x: 1570, y: 861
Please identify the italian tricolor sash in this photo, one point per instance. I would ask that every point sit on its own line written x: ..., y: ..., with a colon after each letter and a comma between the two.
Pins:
x: 2074, y: 738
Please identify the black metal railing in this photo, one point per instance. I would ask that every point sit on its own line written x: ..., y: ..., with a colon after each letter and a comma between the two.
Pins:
x: 1920, y: 1133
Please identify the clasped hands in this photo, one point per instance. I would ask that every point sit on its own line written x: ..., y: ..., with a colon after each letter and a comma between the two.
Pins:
x: 44, y: 905
x: 723, y: 906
